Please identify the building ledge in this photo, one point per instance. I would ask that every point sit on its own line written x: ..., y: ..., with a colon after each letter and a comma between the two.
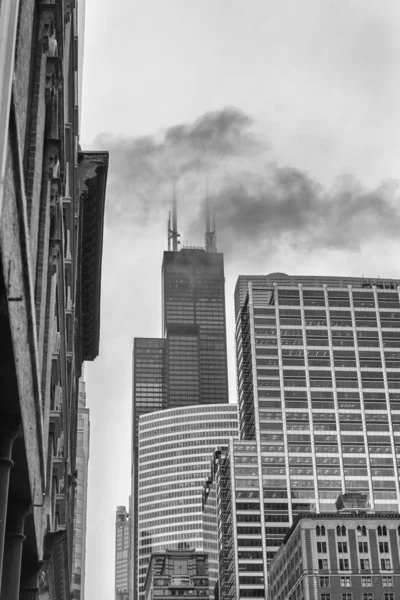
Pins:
x: 56, y: 565
x: 93, y: 169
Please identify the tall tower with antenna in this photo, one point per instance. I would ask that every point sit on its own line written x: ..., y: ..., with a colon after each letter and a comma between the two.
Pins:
x: 187, y: 366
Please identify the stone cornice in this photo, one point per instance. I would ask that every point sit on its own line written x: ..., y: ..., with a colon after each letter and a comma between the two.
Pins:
x: 364, y: 515
x: 56, y: 564
x: 93, y: 169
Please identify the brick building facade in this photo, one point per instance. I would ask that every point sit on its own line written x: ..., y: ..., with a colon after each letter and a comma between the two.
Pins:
x: 338, y: 557
x: 51, y: 228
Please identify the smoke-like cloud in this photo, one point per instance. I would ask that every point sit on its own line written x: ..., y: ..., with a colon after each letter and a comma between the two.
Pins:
x: 143, y: 169
x: 259, y: 209
x: 256, y: 201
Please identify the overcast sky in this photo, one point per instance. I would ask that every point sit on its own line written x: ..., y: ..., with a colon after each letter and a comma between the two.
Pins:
x: 289, y: 111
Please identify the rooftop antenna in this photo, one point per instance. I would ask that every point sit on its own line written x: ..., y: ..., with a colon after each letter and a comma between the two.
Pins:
x: 173, y: 231
x: 210, y: 237
x: 214, y: 233
x: 169, y: 231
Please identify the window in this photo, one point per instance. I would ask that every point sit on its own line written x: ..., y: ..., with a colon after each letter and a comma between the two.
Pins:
x: 388, y: 596
x: 346, y: 597
x: 342, y: 547
x: 321, y: 547
x: 387, y: 581
x: 341, y: 531
x: 364, y: 564
x: 180, y: 567
x: 366, y: 581
x: 324, y: 582
x: 322, y: 563
x: 363, y: 547
x: 382, y: 530
x: 343, y: 564
x: 385, y: 563
x: 361, y: 530
x: 345, y: 582
x: 383, y: 546
x: 368, y: 596
x: 328, y: 597
x: 320, y: 530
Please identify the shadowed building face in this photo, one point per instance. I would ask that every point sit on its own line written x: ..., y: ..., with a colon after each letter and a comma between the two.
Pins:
x: 194, y: 326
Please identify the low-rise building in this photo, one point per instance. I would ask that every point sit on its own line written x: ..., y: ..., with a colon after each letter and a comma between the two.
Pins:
x: 182, y: 573
x: 350, y: 555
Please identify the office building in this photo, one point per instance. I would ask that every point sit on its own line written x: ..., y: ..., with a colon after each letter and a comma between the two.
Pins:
x: 182, y: 573
x: 80, y: 508
x: 194, y: 327
x: 350, y: 555
x: 149, y: 394
x: 216, y: 543
x: 188, y: 365
x: 149, y: 378
x: 175, y: 449
x: 319, y: 409
x: 122, y: 553
x: 210, y: 528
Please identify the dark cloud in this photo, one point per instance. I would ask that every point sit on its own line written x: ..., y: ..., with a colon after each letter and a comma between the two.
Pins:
x: 286, y: 204
x: 256, y: 202
x: 143, y: 169
x: 216, y: 134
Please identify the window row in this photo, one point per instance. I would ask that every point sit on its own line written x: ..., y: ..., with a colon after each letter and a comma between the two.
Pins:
x: 344, y: 564
x: 365, y: 596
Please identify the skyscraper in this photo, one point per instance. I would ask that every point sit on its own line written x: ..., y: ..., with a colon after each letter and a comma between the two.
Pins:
x: 188, y: 365
x: 80, y: 514
x: 194, y: 327
x: 122, y: 553
x: 319, y: 407
x: 149, y: 394
x: 149, y: 378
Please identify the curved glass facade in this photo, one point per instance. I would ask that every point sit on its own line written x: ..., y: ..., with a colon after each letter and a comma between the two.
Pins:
x: 175, y: 451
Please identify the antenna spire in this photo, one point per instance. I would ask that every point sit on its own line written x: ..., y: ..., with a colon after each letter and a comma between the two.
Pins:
x: 211, y: 236
x: 173, y: 230
x: 169, y: 231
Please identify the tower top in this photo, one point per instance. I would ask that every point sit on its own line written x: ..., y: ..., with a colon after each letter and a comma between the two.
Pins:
x: 173, y: 235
